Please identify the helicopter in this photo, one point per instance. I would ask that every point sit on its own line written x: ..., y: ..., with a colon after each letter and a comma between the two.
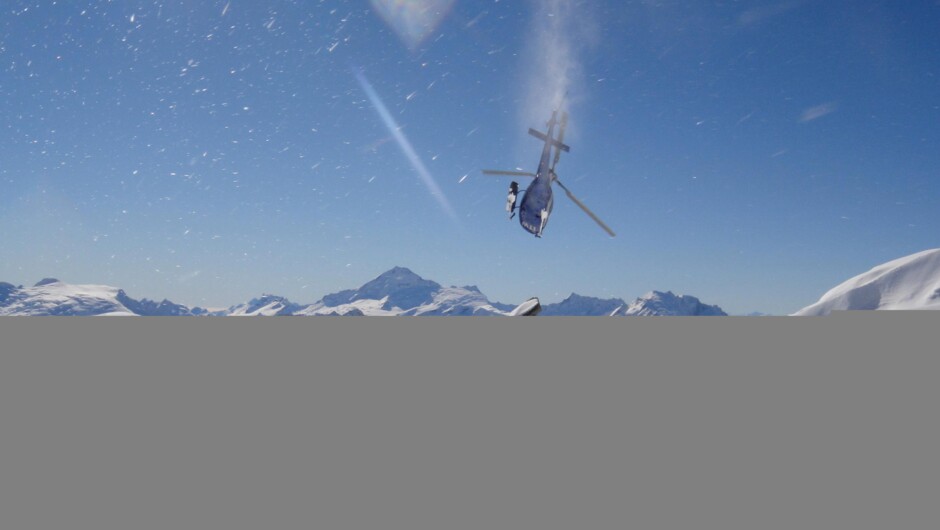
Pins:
x: 537, y: 199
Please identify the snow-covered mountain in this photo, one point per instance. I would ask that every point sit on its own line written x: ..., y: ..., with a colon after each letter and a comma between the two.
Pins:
x: 656, y: 303
x: 150, y: 308
x: 399, y: 287
x: 266, y: 305
x: 577, y: 305
x: 402, y: 292
x: 398, y: 291
x: 911, y: 282
x: 50, y: 297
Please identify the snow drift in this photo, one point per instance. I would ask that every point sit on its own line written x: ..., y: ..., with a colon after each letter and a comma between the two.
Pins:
x: 908, y: 283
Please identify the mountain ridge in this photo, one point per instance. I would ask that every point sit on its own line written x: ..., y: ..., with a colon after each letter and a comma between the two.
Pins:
x: 396, y: 292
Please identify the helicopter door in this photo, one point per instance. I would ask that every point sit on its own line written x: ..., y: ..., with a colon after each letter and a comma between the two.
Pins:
x: 544, y: 214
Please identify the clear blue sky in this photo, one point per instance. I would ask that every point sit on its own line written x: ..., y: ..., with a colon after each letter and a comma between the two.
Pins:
x: 752, y: 154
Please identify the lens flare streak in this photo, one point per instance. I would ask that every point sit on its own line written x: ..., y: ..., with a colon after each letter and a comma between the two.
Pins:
x: 405, y: 145
x: 413, y: 20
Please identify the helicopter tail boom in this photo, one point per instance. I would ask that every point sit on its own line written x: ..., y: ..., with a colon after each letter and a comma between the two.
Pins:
x: 553, y: 141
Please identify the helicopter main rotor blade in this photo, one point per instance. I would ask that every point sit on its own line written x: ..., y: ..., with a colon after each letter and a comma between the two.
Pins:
x: 508, y: 173
x: 586, y: 209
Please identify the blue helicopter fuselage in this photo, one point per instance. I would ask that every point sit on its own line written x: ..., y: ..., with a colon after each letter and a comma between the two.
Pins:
x: 537, y: 198
x: 537, y: 201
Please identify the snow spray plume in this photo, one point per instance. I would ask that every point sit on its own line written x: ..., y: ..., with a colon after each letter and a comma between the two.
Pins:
x: 560, y: 32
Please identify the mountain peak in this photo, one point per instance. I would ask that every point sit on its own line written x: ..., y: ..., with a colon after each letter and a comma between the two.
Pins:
x: 669, y: 295
x: 579, y: 305
x: 6, y: 289
x: 146, y: 307
x: 399, y: 273
x: 266, y: 304
x: 46, y: 281
x: 575, y: 297
x: 402, y: 287
x: 670, y: 304
x: 266, y: 298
